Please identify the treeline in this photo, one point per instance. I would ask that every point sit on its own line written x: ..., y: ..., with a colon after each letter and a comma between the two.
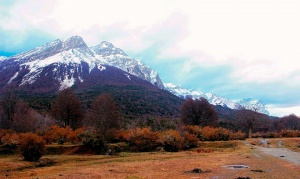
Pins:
x: 103, y: 113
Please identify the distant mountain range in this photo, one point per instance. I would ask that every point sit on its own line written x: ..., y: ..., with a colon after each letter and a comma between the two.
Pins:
x: 212, y: 99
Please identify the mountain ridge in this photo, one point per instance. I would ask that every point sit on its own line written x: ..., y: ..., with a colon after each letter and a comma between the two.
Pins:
x: 75, y: 54
x: 211, y: 98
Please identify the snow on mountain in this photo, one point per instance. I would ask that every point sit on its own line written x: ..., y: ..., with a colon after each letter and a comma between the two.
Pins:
x: 211, y: 98
x: 67, y: 58
x: 2, y: 58
x: 118, y: 58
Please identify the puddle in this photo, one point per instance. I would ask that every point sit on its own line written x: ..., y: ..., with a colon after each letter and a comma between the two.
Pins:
x: 236, y: 166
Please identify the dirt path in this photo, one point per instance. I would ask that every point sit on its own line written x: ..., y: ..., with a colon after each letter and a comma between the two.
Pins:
x: 282, y: 153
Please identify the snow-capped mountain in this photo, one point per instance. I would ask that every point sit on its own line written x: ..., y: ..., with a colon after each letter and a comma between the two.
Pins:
x: 211, y: 98
x: 70, y: 62
x: 118, y: 58
x: 2, y: 58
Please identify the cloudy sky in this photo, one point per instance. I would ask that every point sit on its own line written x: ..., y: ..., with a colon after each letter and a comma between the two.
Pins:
x: 234, y: 48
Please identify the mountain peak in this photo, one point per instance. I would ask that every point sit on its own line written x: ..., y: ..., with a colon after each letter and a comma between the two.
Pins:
x: 74, y: 42
x: 106, y: 48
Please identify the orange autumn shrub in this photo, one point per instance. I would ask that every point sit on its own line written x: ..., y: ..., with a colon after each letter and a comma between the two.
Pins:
x: 142, y: 139
x: 32, y: 146
x: 289, y: 133
x: 122, y: 135
x: 239, y: 135
x: 61, y: 135
x: 190, y: 140
x: 8, y: 138
x: 208, y: 133
x: 215, y: 134
x: 171, y: 140
x: 222, y: 134
x: 195, y: 130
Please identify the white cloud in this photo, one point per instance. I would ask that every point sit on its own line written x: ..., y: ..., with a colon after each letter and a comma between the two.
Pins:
x: 284, y: 111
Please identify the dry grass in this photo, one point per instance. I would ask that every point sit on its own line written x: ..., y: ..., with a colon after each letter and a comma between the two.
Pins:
x: 156, y: 164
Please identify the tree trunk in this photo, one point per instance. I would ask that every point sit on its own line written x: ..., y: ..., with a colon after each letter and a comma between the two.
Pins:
x: 250, y: 132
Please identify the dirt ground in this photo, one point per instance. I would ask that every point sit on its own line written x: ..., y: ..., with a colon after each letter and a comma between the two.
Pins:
x: 212, y: 158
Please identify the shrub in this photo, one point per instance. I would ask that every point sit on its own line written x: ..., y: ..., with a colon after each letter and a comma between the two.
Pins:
x: 190, y: 140
x: 222, y: 134
x: 93, y: 141
x: 61, y: 135
x: 195, y: 130
x: 122, y: 135
x: 172, y: 141
x: 290, y: 133
x: 239, y: 135
x: 270, y: 135
x: 213, y: 134
x: 256, y: 135
x: 208, y: 133
x: 10, y: 139
x: 142, y: 139
x: 32, y: 146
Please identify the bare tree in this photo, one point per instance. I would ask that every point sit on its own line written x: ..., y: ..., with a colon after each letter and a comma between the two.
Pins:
x: 104, y: 114
x: 23, y: 119
x: 291, y: 122
x: 253, y: 105
x: 249, y: 113
x: 67, y: 108
x: 198, y: 112
x: 7, y: 105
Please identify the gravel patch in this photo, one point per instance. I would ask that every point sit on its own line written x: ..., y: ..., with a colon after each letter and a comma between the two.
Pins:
x: 282, y: 153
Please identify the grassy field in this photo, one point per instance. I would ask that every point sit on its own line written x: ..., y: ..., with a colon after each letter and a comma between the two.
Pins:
x: 210, y: 157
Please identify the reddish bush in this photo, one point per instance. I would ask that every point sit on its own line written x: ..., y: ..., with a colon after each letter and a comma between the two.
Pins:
x: 190, y: 140
x: 270, y: 135
x: 290, y: 133
x: 10, y: 139
x: 213, y: 134
x: 239, y: 135
x: 142, y: 139
x: 195, y: 130
x: 256, y: 135
x: 122, y: 135
x: 61, y: 135
x: 222, y: 134
x: 208, y: 133
x: 32, y: 146
x: 171, y: 140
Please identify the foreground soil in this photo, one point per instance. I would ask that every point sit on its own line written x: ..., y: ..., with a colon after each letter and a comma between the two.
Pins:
x: 211, y: 157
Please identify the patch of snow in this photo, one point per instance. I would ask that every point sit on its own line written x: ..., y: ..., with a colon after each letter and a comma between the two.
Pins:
x: 66, y: 83
x: 128, y: 76
x: 2, y: 58
x: 101, y: 68
x: 12, y: 78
